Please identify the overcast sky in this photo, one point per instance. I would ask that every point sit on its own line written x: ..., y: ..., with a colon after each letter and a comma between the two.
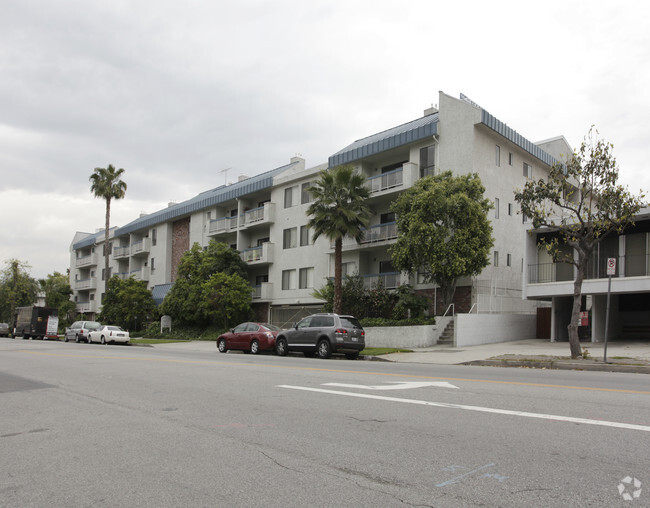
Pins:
x: 175, y: 92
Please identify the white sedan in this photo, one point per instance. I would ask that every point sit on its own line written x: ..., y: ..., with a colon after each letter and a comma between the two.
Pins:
x: 108, y: 333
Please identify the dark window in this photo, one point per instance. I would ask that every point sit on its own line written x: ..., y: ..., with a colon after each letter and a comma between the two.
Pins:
x: 305, y: 195
x: 427, y: 161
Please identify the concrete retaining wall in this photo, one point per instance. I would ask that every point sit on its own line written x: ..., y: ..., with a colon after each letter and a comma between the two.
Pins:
x: 403, y: 336
x: 475, y: 329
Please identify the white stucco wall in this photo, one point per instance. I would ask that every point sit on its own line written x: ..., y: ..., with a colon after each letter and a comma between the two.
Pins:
x: 475, y: 329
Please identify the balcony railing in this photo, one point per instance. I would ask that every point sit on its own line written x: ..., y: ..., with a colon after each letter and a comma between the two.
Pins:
x: 385, y: 180
x: 631, y: 265
x: 380, y: 232
x: 252, y: 254
x: 121, y: 252
x: 262, y: 215
x: 89, y: 260
x: 85, y: 284
x: 223, y: 225
x: 260, y: 254
x: 256, y: 292
x: 390, y: 280
x: 84, y: 306
x: 140, y: 274
x: 141, y: 247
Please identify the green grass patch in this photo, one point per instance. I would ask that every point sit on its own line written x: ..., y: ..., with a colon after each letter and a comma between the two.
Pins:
x: 377, y: 351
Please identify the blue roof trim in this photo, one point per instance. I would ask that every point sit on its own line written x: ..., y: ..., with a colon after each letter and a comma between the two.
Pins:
x: 401, y: 135
x: 510, y: 134
x: 204, y: 200
x: 89, y: 241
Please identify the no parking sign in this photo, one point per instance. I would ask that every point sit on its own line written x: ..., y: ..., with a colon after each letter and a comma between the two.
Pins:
x: 611, y: 266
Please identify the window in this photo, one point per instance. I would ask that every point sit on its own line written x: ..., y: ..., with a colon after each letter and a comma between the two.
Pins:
x: 386, y: 267
x: 509, y: 208
x: 510, y: 158
x: 259, y: 279
x: 306, y: 278
x: 524, y: 219
x: 305, y: 195
x: 508, y: 259
x: 92, y: 297
x: 262, y: 241
x: 288, y: 279
x: 154, y: 234
x: 387, y: 218
x: 289, y: 238
x: 347, y: 268
x: 496, y: 208
x: 496, y: 258
x: 427, y: 161
x: 528, y: 170
x: 498, y: 155
x: 288, y: 197
x: 304, y: 236
x: 153, y: 265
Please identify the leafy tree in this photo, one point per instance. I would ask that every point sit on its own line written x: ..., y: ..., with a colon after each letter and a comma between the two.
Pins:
x: 339, y: 209
x: 106, y: 184
x: 444, y: 230
x: 56, y: 287
x: 226, y: 299
x: 200, y: 297
x: 408, y: 304
x: 583, y: 202
x: 17, y: 288
x: 127, y: 303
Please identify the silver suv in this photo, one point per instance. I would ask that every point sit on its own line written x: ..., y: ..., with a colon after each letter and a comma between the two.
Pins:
x: 323, y: 334
x: 79, y: 330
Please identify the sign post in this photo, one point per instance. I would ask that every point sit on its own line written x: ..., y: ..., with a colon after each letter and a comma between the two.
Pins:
x: 611, y: 270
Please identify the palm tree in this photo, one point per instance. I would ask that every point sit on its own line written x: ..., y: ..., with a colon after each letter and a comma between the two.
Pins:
x: 106, y: 184
x: 339, y: 209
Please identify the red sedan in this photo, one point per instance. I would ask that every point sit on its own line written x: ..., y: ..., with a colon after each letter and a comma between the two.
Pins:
x: 249, y: 337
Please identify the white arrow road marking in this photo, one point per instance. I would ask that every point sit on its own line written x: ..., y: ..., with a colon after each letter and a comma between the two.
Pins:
x: 541, y: 416
x: 396, y: 385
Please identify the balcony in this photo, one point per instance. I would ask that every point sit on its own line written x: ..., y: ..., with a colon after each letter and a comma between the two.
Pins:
x: 85, y: 284
x: 264, y: 215
x: 386, y: 181
x: 85, y: 261
x: 123, y: 275
x: 263, y: 291
x: 223, y: 225
x: 140, y: 273
x: 83, y: 307
x: 391, y: 280
x: 258, y: 255
x: 141, y: 248
x: 380, y: 233
x: 121, y: 252
x: 371, y: 235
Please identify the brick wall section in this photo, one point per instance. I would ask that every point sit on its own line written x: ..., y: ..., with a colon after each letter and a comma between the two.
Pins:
x: 180, y: 243
x: 462, y: 300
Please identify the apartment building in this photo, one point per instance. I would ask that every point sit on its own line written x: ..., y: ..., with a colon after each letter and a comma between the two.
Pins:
x: 264, y: 218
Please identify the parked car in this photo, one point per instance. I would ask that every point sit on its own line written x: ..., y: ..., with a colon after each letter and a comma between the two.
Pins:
x: 249, y: 337
x: 79, y: 330
x: 4, y: 330
x: 323, y: 334
x: 108, y: 333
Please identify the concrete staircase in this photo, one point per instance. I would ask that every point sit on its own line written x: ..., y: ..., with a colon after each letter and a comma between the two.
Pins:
x: 447, y: 336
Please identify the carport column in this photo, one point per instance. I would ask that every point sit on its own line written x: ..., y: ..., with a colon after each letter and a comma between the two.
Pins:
x: 553, y: 304
x: 598, y: 314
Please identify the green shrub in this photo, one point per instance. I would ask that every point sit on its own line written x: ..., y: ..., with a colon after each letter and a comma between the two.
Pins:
x: 370, y: 322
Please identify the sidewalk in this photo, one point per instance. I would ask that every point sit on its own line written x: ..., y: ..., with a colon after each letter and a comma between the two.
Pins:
x: 622, y: 356
x: 625, y: 356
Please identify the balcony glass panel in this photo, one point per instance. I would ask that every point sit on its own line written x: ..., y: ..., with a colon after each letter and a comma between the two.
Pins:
x: 386, y: 180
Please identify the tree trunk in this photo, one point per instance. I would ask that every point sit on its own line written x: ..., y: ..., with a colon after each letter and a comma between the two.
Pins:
x: 338, y: 256
x: 574, y: 339
x: 447, y: 289
x: 106, y: 249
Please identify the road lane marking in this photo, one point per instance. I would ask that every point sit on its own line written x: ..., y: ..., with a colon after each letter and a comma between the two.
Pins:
x: 341, y: 371
x: 396, y: 385
x: 509, y: 412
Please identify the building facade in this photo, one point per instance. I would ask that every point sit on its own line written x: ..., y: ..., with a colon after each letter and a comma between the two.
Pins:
x: 264, y: 218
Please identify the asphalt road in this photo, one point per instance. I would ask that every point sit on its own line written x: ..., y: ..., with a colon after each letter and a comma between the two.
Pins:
x: 93, y: 425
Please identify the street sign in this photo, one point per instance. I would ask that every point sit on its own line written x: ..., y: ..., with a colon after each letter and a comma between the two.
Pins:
x: 611, y: 266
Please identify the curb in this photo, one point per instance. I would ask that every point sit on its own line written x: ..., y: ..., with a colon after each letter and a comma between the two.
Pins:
x: 563, y: 365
